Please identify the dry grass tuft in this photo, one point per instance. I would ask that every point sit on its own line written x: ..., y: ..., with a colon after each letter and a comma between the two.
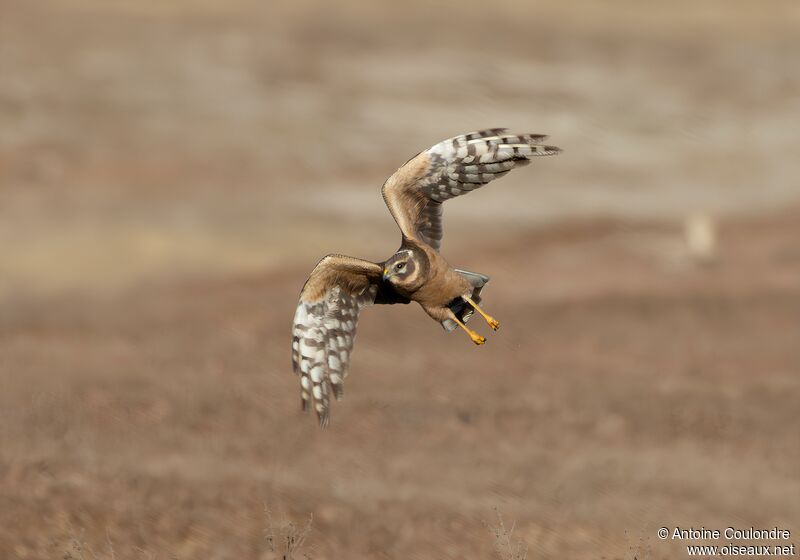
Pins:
x: 505, y: 546
x: 79, y: 550
x: 286, y: 539
x: 638, y: 550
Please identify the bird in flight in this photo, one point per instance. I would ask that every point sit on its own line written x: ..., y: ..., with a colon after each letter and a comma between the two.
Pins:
x: 339, y: 287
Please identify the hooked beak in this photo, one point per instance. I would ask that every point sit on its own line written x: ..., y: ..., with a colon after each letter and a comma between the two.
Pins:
x: 386, y: 274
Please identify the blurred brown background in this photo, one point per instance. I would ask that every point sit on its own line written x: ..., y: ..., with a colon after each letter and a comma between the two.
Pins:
x: 171, y: 171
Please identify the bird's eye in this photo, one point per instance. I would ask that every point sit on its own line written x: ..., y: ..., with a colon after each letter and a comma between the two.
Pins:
x: 401, y: 266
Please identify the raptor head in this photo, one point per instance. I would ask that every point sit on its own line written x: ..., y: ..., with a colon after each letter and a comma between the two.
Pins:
x: 405, y: 270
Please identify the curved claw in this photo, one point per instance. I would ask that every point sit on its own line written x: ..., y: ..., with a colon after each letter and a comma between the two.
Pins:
x: 477, y: 339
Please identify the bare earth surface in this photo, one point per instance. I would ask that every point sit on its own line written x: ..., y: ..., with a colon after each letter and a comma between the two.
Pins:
x: 170, y: 173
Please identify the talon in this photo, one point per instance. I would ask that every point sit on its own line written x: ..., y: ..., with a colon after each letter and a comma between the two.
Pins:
x: 494, y: 323
x: 476, y: 338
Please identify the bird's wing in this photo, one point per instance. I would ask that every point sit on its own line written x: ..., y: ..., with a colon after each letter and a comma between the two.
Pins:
x: 416, y: 191
x: 325, y: 325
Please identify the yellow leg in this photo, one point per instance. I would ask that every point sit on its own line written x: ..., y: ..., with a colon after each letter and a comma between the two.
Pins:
x: 476, y: 338
x: 494, y: 323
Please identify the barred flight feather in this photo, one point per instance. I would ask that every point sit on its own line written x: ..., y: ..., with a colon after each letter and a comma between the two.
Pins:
x: 322, y: 343
x: 465, y: 163
x: 415, y: 192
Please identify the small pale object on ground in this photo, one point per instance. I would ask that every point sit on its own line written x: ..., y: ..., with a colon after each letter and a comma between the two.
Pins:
x: 701, y: 237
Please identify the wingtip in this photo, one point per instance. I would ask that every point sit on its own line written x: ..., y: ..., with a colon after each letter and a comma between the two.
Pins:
x: 540, y: 150
x: 536, y: 138
x: 482, y: 133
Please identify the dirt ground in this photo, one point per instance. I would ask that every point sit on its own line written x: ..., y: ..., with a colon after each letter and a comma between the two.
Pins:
x: 170, y: 173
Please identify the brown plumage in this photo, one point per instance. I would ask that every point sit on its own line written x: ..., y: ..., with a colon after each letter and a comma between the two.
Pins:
x: 339, y: 287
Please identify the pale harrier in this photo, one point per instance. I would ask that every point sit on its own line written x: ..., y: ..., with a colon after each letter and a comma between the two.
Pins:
x: 339, y: 287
